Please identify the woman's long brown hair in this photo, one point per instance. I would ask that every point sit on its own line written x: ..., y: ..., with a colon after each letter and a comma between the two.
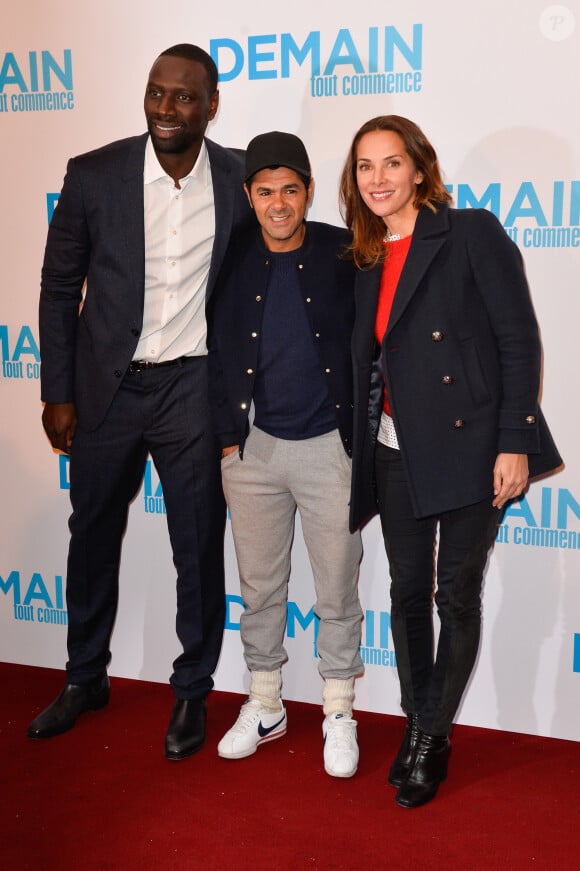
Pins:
x: 367, y: 228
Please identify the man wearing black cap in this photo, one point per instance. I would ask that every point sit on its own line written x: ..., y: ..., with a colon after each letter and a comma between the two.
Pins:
x: 281, y: 391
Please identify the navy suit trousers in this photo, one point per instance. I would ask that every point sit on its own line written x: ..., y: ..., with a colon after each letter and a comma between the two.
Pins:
x: 164, y: 412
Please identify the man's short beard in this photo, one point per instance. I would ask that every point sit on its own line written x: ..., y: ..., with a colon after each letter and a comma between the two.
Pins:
x: 176, y: 145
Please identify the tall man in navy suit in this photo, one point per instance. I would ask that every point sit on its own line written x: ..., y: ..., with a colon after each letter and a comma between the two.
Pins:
x: 145, y: 222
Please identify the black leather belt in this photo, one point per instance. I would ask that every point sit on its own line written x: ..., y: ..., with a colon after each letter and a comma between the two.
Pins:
x: 141, y: 365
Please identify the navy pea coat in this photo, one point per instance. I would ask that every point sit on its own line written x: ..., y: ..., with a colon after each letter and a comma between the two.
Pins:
x: 235, y: 317
x: 461, y: 359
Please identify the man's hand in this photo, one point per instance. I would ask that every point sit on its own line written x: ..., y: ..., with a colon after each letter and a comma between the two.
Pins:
x: 59, y: 420
x: 510, y: 477
x: 229, y: 450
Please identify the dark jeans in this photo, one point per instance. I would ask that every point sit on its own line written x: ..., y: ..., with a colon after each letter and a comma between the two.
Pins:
x: 165, y: 412
x: 433, y: 686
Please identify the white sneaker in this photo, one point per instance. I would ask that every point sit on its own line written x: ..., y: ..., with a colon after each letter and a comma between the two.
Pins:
x: 255, y: 725
x: 340, y: 747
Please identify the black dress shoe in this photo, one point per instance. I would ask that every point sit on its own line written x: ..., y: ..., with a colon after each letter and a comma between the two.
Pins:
x: 186, y: 731
x: 74, y: 700
x: 428, y: 771
x: 404, y: 759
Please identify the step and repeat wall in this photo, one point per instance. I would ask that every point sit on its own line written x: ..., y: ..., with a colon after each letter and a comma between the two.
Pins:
x: 495, y: 86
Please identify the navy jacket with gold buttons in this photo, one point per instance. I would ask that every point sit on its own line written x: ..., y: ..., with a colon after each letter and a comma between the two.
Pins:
x: 461, y: 359
x: 235, y: 318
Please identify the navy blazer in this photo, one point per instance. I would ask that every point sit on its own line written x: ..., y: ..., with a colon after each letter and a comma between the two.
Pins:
x: 235, y: 317
x: 461, y: 359
x: 97, y: 235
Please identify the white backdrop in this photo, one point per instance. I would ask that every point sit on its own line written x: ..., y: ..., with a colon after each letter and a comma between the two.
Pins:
x: 495, y: 86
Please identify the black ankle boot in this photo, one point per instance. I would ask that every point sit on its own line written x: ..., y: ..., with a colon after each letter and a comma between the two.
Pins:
x: 428, y: 771
x: 404, y: 759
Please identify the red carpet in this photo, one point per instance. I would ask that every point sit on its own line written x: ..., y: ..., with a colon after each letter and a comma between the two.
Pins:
x: 104, y: 797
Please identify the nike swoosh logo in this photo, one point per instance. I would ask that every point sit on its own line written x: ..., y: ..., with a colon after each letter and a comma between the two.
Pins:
x: 263, y: 730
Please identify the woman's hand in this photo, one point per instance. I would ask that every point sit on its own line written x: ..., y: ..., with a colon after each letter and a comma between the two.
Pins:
x: 510, y: 477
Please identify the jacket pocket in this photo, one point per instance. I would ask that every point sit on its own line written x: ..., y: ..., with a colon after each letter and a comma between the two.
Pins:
x: 474, y: 372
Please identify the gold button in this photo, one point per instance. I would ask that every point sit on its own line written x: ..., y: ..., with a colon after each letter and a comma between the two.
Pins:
x: 317, y: 335
x: 308, y: 299
x: 300, y: 266
x: 327, y: 371
x: 459, y: 424
x: 250, y: 371
x: 337, y: 405
x: 531, y: 418
x: 447, y: 379
x: 243, y: 406
x: 437, y: 336
x: 258, y: 298
x: 254, y: 335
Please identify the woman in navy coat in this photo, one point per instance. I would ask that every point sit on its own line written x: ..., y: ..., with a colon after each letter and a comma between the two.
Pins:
x: 447, y: 426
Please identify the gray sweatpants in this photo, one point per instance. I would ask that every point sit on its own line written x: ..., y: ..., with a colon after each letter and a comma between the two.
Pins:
x: 263, y: 490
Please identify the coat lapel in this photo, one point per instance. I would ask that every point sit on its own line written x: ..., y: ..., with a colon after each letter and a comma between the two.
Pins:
x: 133, y: 218
x: 224, y: 208
x: 428, y: 237
x: 366, y: 301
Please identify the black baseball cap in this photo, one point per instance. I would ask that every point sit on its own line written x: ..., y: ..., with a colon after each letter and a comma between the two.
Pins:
x: 277, y: 149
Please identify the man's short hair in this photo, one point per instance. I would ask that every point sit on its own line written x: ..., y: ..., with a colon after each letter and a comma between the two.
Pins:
x: 193, y: 52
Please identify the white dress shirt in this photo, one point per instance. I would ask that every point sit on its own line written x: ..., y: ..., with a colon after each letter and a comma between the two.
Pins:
x: 179, y: 233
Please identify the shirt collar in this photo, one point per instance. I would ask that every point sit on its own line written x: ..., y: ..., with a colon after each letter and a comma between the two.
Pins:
x: 153, y: 170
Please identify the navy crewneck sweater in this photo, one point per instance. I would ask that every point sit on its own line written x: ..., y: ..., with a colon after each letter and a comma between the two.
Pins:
x: 290, y: 395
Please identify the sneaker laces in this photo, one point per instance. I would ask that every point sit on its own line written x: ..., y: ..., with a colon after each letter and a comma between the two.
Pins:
x: 339, y: 733
x: 249, y: 712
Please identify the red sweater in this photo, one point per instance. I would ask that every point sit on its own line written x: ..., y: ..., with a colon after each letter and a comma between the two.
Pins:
x: 392, y: 268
